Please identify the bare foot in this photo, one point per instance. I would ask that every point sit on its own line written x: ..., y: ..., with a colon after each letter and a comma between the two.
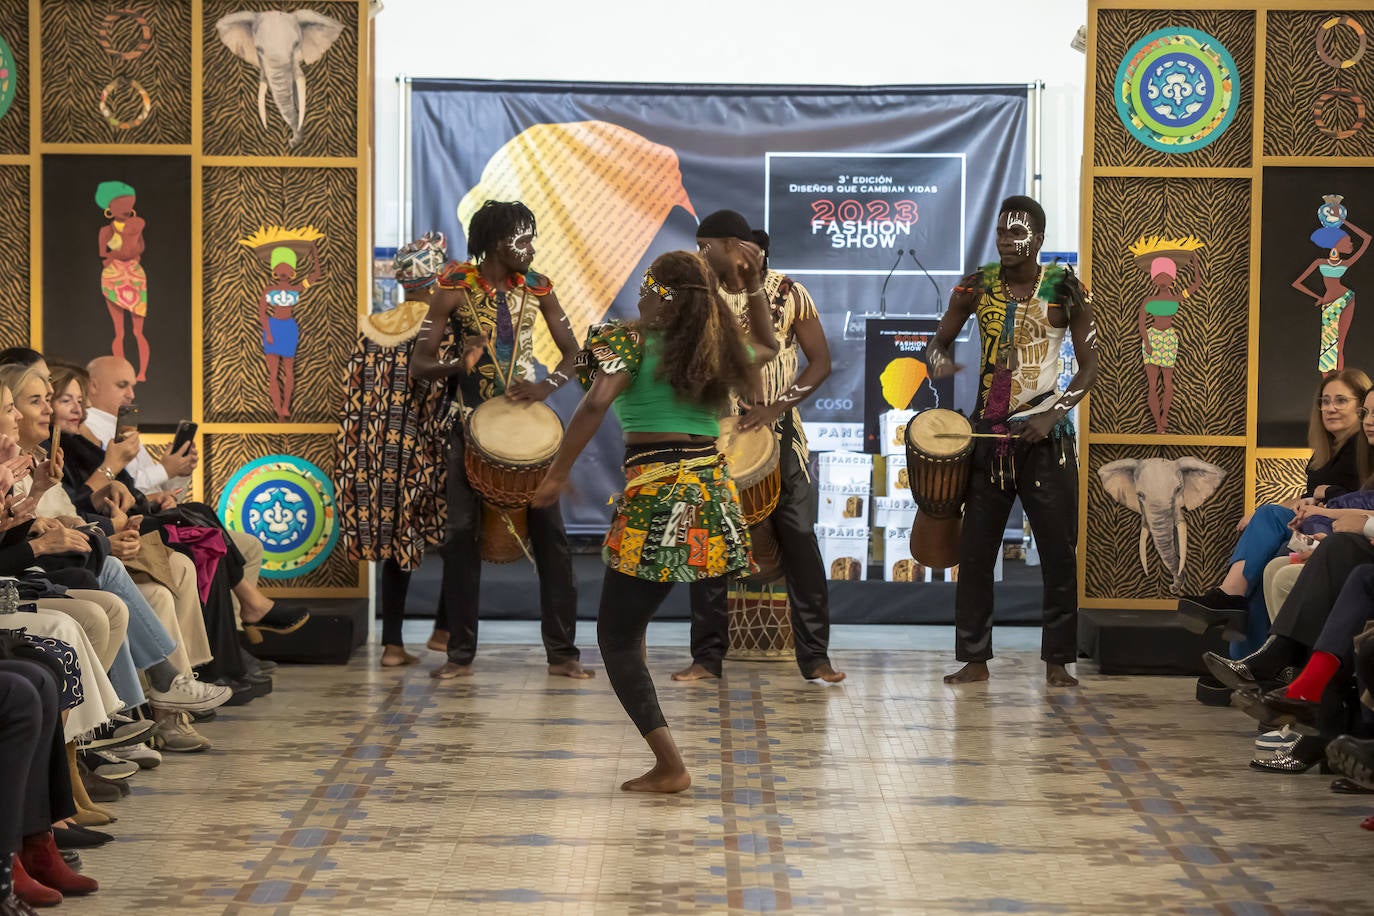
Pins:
x: 1058, y: 676
x: 448, y: 671
x: 662, y: 779
x: 571, y: 668
x: 692, y: 672
x: 826, y: 673
x: 971, y: 673
x: 438, y: 641
x: 396, y: 657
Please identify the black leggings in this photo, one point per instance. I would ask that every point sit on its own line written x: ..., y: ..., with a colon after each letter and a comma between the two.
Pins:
x: 395, y: 585
x: 627, y: 606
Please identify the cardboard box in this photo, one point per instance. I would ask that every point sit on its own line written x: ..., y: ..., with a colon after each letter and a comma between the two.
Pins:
x: 829, y: 437
x: 898, y: 483
x: 844, y: 551
x: 892, y: 431
x: 898, y: 566
x: 893, y: 512
x: 844, y: 505
x: 845, y: 469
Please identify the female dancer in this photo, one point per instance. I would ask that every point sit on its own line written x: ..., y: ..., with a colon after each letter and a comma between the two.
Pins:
x: 669, y: 378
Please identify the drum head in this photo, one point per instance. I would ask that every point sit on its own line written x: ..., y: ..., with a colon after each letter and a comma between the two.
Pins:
x: 516, y: 433
x: 939, y: 433
x: 750, y: 453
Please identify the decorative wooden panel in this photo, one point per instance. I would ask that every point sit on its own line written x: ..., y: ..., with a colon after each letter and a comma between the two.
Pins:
x: 94, y: 49
x: 1209, y: 378
x: 15, y: 199
x: 1279, y: 479
x: 225, y: 453
x: 1117, y: 31
x: 1113, y: 531
x: 14, y: 125
x: 237, y: 201
x: 233, y: 126
x: 1299, y: 85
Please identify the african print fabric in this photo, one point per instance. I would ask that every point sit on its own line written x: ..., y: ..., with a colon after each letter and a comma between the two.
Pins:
x: 1329, y: 357
x: 682, y: 525
x: 391, y: 462
x: 1020, y: 348
x: 1162, y: 349
x: 506, y: 317
x: 125, y: 285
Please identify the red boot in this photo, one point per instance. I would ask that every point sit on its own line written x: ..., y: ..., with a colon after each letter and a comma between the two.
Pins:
x: 30, y: 891
x: 46, y: 865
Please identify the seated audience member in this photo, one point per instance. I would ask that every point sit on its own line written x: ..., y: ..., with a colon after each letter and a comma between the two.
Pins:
x: 35, y: 791
x: 1237, y: 604
x: 111, y: 385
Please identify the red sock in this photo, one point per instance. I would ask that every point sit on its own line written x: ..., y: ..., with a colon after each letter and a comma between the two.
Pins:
x: 1319, y: 671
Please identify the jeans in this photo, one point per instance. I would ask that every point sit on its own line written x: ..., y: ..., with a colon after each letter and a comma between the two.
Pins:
x: 1264, y: 538
x: 148, y: 641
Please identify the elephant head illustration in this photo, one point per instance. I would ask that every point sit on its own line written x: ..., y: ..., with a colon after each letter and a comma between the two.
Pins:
x: 278, y: 44
x: 1160, y: 490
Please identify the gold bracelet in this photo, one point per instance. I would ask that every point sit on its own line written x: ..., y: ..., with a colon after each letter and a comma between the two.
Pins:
x: 109, y: 474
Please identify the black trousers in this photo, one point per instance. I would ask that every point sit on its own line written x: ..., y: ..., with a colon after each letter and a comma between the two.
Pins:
x: 808, y: 592
x: 1314, y: 594
x: 463, y: 569
x: 36, y: 788
x: 395, y: 585
x: 627, y: 606
x: 1046, y: 478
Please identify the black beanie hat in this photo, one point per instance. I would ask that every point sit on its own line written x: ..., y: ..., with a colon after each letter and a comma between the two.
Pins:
x: 725, y: 224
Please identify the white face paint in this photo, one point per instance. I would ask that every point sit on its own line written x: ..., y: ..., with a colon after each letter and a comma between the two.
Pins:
x: 521, y: 244
x: 1016, y: 226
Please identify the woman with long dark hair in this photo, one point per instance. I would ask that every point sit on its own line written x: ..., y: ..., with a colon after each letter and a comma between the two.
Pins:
x: 668, y: 377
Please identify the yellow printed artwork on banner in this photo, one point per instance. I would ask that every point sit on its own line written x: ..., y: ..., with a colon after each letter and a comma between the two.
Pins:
x: 600, y: 193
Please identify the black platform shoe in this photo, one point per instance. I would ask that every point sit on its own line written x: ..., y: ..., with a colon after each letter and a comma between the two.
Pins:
x: 1306, y: 754
x: 1200, y: 613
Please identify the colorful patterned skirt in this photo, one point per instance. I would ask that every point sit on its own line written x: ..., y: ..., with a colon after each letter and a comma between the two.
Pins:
x: 679, y: 518
x: 125, y: 285
x: 1163, y: 348
x: 1329, y: 358
x: 391, y: 462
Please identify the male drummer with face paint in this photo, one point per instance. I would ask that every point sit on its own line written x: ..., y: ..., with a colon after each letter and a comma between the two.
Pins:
x: 797, y: 326
x: 1023, y: 310
x: 485, y: 299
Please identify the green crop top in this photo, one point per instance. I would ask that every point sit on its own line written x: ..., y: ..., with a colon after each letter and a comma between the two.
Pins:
x: 649, y: 405
x: 1161, y: 308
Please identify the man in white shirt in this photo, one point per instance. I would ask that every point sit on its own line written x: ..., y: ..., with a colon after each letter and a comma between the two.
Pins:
x: 112, y: 387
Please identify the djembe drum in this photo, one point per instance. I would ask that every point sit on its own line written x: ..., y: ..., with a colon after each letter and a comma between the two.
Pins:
x: 752, y: 456
x: 510, y: 444
x: 760, y: 622
x: 939, y: 447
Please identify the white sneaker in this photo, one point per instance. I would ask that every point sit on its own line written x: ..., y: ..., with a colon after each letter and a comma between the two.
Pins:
x: 190, y: 694
x: 141, y: 754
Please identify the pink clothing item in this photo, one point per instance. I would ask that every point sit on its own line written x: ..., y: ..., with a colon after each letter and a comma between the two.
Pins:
x: 206, y: 546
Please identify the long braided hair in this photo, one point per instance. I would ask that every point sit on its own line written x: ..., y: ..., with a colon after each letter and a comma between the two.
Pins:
x: 704, y: 356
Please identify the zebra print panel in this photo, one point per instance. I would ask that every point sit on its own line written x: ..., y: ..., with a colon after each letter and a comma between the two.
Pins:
x: 14, y: 28
x: 1117, y: 31
x: 14, y: 240
x: 225, y: 453
x: 1209, y: 378
x: 236, y: 202
x: 77, y: 69
x: 1279, y: 479
x: 230, y: 90
x: 1112, y: 539
x: 1295, y: 78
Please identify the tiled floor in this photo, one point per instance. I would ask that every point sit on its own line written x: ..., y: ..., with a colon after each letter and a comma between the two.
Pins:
x: 355, y: 789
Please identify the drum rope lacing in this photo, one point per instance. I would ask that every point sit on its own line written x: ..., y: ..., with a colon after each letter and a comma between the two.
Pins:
x: 510, y: 527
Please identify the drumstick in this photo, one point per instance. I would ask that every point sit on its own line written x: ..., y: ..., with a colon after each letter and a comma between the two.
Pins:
x: 977, y: 435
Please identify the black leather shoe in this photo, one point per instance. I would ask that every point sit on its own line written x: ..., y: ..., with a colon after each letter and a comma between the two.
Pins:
x: 1233, y: 674
x: 79, y: 838
x: 243, y: 691
x: 1352, y: 758
x: 1276, y: 709
x: 1306, y: 754
x: 1344, y: 785
x: 1200, y: 613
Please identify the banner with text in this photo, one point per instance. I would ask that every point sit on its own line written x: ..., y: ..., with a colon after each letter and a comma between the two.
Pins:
x: 856, y: 186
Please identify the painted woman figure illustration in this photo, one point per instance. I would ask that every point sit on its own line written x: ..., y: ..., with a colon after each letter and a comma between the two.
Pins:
x: 283, y: 250
x: 1162, y: 258
x: 123, y: 282
x: 1336, y: 301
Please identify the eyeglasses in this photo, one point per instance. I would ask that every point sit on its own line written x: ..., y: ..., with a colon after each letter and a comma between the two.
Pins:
x: 1339, y: 400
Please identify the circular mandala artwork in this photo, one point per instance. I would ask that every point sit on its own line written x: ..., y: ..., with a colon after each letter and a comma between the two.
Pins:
x: 288, y: 504
x: 1177, y: 90
x: 9, y: 77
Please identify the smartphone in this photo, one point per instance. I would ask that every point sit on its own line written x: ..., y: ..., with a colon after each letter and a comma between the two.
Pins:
x: 186, y: 432
x: 127, y: 418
